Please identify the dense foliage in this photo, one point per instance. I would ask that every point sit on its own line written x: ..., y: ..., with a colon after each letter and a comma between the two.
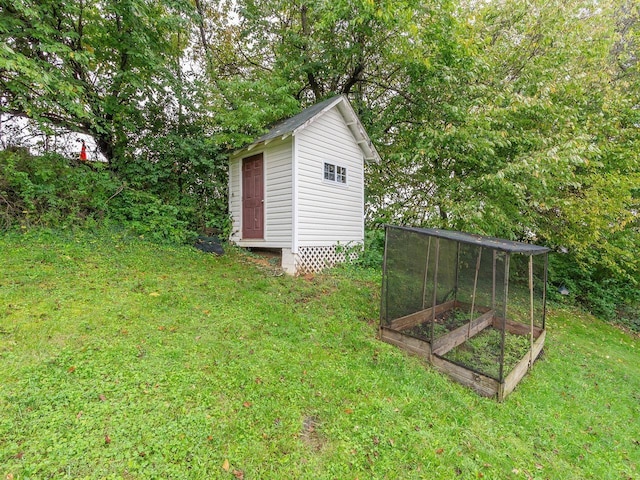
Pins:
x: 503, y: 118
x: 48, y: 191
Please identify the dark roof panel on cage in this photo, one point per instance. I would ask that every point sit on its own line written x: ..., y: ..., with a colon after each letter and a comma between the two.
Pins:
x: 481, y: 240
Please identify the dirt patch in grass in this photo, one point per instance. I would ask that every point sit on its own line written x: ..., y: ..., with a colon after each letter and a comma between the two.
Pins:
x: 265, y: 259
x: 309, y: 435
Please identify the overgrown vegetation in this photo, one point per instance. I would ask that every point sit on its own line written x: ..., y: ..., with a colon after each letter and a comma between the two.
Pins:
x: 53, y: 192
x: 481, y: 352
x: 123, y: 358
x: 518, y: 120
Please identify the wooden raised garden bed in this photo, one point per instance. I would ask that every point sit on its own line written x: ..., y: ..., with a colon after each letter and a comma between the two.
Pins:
x: 406, y: 335
x: 488, y: 348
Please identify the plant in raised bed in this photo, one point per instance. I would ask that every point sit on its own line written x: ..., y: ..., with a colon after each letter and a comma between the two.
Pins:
x: 445, y: 323
x: 482, y: 352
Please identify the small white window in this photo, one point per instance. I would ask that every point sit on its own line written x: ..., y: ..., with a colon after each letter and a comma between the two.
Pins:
x: 335, y: 173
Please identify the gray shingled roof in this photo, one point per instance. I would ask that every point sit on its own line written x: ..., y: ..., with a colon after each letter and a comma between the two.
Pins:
x: 290, y: 124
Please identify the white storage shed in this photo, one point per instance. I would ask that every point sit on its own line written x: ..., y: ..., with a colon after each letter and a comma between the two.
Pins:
x: 300, y: 187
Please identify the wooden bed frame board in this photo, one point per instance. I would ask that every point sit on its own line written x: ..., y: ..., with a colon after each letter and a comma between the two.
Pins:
x: 406, y: 342
x: 521, y: 368
x: 516, y: 328
x: 485, y: 386
x: 413, y: 319
x: 409, y: 321
x: 461, y: 334
x: 482, y: 384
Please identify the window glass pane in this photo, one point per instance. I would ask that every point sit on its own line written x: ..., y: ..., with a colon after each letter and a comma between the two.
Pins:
x: 341, y: 176
x: 329, y: 171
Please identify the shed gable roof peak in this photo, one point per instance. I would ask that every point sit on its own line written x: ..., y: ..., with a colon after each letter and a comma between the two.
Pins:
x: 298, y: 122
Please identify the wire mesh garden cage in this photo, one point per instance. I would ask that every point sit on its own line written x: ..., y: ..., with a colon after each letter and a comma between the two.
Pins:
x: 473, y: 306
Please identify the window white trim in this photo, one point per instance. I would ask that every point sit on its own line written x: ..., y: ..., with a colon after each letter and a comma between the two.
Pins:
x: 335, y: 174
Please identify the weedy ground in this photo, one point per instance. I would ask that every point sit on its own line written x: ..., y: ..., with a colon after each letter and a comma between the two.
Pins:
x: 481, y: 352
x: 125, y: 359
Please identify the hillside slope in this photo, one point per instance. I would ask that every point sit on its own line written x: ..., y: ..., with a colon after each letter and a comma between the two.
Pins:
x: 125, y: 359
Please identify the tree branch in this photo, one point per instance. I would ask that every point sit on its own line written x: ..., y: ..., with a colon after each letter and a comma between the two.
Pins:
x: 52, y: 118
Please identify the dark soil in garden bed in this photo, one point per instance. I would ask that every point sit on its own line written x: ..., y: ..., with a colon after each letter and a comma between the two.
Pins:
x: 445, y: 323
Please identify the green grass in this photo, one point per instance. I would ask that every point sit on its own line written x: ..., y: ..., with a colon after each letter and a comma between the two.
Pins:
x: 125, y: 359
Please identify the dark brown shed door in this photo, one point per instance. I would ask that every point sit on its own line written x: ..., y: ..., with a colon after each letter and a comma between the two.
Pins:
x: 252, y: 197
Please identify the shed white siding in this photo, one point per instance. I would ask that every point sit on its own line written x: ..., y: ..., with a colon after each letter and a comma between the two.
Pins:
x: 306, y: 215
x: 235, y: 198
x: 277, y: 158
x: 328, y: 212
x: 278, y: 193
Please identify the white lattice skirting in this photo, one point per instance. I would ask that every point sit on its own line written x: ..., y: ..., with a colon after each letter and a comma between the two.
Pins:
x: 316, y: 259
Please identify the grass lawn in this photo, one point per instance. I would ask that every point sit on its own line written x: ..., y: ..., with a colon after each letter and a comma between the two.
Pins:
x: 124, y: 359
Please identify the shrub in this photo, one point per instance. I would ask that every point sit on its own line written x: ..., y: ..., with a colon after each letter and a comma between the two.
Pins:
x: 146, y: 215
x: 55, y: 192
x: 373, y: 252
x: 600, y: 291
x: 50, y: 190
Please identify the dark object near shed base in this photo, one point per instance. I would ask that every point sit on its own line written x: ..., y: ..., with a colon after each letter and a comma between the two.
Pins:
x: 209, y: 245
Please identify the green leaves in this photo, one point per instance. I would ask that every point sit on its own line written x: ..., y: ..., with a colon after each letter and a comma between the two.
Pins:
x: 516, y: 120
x: 86, y: 66
x: 502, y: 118
x: 326, y: 47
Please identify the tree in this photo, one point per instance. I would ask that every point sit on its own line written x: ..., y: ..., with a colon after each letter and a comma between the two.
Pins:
x: 99, y: 68
x: 326, y: 48
x: 118, y: 71
x: 532, y: 135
